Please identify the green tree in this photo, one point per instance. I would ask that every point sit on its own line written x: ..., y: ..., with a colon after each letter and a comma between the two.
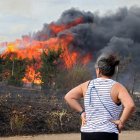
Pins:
x: 6, y: 64
x: 49, y: 68
x: 17, y: 72
x: 13, y: 69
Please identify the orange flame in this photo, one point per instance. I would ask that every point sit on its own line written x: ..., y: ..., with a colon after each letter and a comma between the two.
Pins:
x: 58, y: 28
x: 29, y: 48
x: 31, y: 76
x: 86, y: 59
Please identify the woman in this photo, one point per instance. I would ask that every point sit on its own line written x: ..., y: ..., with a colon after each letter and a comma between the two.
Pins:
x: 103, y: 116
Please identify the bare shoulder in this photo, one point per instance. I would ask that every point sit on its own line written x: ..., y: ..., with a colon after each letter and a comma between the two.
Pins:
x: 85, y: 83
x: 119, y: 87
x: 84, y: 86
x: 120, y: 93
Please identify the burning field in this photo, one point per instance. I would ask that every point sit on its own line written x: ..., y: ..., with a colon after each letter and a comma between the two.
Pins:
x: 81, y: 36
x: 60, y: 56
x: 54, y: 36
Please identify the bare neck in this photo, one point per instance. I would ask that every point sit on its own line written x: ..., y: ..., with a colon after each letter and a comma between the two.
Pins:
x: 104, y: 77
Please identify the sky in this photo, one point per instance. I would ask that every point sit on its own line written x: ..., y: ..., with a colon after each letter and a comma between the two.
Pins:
x: 21, y: 17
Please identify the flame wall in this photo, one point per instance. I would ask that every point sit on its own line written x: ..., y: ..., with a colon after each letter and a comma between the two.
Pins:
x: 83, y: 35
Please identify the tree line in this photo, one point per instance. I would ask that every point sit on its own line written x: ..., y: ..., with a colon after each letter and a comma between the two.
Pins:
x: 13, y: 69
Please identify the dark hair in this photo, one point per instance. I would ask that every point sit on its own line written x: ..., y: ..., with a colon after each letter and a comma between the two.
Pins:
x: 107, y: 64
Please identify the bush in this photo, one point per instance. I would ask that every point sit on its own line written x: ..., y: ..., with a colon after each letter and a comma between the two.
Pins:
x: 70, y: 78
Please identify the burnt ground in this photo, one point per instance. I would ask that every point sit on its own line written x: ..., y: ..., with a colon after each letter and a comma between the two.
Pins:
x: 28, y: 111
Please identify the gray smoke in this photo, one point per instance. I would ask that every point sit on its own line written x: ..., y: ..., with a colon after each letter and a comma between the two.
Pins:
x: 72, y: 14
x: 66, y: 18
x: 117, y: 33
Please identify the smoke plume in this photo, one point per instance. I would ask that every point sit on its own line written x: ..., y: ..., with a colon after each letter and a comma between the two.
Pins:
x: 114, y: 32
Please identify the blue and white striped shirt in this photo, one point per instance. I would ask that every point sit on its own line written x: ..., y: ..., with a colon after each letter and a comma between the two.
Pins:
x: 100, y: 109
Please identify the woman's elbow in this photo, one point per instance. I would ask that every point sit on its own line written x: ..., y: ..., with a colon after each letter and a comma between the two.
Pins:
x: 132, y: 107
x: 66, y: 97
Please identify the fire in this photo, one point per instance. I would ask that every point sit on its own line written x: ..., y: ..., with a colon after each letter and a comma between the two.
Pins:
x: 63, y: 43
x: 86, y: 58
x: 31, y: 76
x: 70, y: 59
x: 11, y: 47
x: 58, y: 28
x: 32, y: 49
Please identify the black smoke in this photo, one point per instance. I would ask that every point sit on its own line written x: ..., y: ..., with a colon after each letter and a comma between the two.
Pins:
x: 67, y: 17
x: 114, y: 32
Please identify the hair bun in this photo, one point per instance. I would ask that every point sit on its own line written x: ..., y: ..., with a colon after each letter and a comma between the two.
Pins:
x: 117, y: 62
x: 107, y: 64
x: 113, y: 60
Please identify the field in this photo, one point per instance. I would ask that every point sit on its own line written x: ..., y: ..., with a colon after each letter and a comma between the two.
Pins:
x: 34, y: 112
x: 125, y: 135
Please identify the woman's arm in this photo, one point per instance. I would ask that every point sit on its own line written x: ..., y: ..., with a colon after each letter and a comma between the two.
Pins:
x: 74, y: 95
x: 128, y: 104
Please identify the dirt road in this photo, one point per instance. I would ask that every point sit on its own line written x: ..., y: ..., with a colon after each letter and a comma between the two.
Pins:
x: 125, y: 135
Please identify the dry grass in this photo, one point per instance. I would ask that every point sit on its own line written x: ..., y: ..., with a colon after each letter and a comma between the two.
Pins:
x: 125, y: 135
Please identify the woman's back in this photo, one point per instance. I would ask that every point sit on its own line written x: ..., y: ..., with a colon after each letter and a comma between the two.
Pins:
x: 99, y: 107
x: 100, y: 116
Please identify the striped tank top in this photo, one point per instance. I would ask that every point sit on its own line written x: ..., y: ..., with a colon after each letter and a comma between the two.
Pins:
x: 100, y: 109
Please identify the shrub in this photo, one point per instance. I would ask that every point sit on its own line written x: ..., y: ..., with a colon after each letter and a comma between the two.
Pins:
x: 69, y: 78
